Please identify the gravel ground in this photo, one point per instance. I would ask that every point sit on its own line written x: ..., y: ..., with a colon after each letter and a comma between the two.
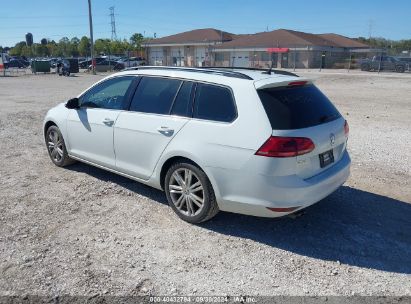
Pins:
x: 84, y: 231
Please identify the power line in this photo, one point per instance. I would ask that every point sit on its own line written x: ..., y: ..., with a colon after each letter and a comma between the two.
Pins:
x: 48, y: 26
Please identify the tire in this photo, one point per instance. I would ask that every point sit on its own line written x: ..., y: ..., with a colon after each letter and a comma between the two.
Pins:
x: 185, y: 201
x: 399, y: 69
x: 59, y: 156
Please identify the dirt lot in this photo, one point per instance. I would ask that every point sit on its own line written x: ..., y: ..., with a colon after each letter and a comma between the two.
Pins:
x: 83, y: 231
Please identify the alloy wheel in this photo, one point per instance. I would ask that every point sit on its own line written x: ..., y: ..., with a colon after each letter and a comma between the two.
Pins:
x: 186, y: 192
x: 55, y: 146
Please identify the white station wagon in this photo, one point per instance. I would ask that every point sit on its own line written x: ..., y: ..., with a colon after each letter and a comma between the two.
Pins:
x: 262, y: 143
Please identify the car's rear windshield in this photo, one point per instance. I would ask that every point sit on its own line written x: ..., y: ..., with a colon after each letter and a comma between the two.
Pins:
x: 297, y: 107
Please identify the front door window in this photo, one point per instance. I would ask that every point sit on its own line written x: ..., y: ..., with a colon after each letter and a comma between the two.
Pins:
x: 109, y: 94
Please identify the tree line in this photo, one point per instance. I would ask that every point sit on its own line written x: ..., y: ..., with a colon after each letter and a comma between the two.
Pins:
x: 76, y: 47
x: 393, y: 47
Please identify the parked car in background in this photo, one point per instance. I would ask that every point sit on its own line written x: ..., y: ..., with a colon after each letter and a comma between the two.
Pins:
x: 63, y: 67
x: 407, y: 60
x: 383, y: 63
x: 53, y: 62
x: 22, y: 59
x: 105, y: 65
x: 15, y: 63
x: 133, y: 61
x: 250, y: 142
x: 86, y: 63
x: 119, y: 66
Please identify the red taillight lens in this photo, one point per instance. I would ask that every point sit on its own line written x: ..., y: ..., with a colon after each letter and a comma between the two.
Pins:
x: 346, y: 128
x: 289, y: 209
x: 297, y: 83
x: 277, y: 146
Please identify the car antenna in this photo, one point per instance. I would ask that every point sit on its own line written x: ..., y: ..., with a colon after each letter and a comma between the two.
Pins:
x: 269, y: 71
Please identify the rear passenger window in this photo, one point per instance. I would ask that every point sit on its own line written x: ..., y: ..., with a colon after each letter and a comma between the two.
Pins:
x: 182, y: 104
x: 214, y: 103
x: 155, y: 95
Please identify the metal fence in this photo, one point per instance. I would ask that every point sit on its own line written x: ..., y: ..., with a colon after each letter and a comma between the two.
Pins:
x: 297, y: 58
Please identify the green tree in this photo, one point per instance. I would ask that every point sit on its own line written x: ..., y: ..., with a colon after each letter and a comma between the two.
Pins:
x: 26, y: 51
x: 136, y: 40
x: 393, y: 47
x: 17, y: 49
x: 64, y: 47
x: 41, y: 50
x: 74, y: 43
x: 52, y: 48
x: 84, y: 46
x: 102, y: 46
x: 119, y: 47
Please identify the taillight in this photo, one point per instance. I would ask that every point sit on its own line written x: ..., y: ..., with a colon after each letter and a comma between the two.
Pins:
x: 297, y: 83
x: 346, y: 129
x: 277, y: 146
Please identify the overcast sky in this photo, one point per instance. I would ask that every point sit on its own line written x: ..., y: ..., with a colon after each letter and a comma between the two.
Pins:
x: 55, y: 19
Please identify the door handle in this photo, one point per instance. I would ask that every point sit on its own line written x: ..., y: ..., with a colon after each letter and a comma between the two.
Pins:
x: 108, y: 122
x: 165, y: 131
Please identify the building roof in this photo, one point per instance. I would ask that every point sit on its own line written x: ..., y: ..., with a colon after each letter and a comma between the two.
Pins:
x: 289, y: 38
x: 343, y: 41
x: 194, y: 36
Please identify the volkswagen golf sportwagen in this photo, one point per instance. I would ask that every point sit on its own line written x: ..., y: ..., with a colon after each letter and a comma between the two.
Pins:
x: 261, y: 143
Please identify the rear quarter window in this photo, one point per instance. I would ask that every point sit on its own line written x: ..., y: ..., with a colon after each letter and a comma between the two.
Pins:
x: 297, y: 107
x: 215, y: 103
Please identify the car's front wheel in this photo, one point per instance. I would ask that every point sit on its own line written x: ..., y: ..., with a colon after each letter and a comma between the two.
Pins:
x: 57, y: 148
x: 189, y: 193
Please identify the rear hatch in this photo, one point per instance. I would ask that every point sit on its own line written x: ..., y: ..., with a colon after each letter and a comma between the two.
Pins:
x: 298, y: 109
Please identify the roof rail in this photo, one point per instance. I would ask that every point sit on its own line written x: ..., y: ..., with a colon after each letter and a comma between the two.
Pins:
x: 198, y: 70
x: 275, y: 71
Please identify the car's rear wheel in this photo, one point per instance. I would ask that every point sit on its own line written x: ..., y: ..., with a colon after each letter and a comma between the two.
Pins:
x: 399, y: 69
x: 57, y: 148
x: 189, y: 193
x: 365, y: 67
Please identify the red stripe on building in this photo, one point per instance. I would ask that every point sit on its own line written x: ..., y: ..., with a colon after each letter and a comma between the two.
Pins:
x: 278, y: 50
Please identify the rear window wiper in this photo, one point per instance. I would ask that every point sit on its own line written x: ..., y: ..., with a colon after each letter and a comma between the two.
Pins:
x: 326, y: 118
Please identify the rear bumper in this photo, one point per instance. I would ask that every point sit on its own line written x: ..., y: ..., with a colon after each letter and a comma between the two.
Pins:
x: 251, y: 194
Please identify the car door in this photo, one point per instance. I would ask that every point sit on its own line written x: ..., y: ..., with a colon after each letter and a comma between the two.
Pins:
x: 159, y: 109
x: 90, y: 127
x: 386, y: 64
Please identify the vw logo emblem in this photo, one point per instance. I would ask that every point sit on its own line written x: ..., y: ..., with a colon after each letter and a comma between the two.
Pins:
x: 332, y: 139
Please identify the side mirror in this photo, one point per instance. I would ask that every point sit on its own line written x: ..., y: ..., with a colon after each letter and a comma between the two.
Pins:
x: 73, y: 103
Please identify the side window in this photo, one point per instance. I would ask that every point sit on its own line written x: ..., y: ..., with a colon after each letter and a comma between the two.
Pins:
x: 182, y: 104
x: 109, y: 94
x: 155, y: 95
x: 214, y: 103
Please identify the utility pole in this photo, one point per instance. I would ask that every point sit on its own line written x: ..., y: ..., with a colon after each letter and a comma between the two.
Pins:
x: 91, y: 38
x: 113, y: 24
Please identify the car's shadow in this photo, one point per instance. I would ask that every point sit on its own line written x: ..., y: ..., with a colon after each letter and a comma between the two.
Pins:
x: 124, y: 182
x: 351, y: 226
